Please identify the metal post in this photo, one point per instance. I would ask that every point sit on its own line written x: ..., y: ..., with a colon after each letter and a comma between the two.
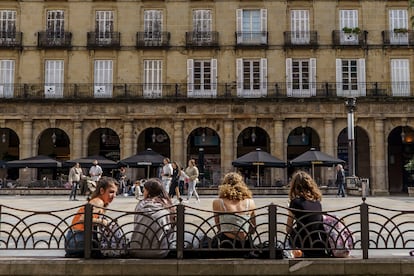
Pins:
x: 272, y: 230
x: 88, y: 215
x: 364, y: 229
x: 180, y: 231
x: 350, y: 103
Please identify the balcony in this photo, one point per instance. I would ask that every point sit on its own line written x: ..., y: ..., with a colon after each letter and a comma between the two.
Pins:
x: 104, y: 40
x: 54, y: 40
x: 153, y: 40
x: 341, y: 39
x: 11, y: 40
x: 201, y: 39
x: 398, y: 38
x: 138, y: 91
x: 301, y: 39
x: 251, y: 39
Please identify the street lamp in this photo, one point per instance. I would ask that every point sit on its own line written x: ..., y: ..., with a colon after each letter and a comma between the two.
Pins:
x: 350, y: 103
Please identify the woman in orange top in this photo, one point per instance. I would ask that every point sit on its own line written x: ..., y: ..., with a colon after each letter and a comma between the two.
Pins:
x: 105, y: 192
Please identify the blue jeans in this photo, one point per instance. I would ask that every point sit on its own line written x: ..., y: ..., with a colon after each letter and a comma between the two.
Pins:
x: 341, y: 189
x: 75, y: 243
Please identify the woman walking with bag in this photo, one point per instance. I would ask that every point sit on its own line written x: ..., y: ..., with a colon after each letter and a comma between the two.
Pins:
x: 192, y: 172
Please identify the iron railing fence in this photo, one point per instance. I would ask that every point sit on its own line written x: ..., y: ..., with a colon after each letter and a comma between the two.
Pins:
x: 234, y: 90
x: 104, y: 40
x: 54, y: 40
x: 11, y: 39
x: 398, y: 37
x: 153, y: 40
x: 301, y: 39
x: 373, y: 229
x: 202, y: 39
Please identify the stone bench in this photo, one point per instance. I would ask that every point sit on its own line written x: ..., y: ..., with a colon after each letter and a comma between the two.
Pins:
x: 167, y: 267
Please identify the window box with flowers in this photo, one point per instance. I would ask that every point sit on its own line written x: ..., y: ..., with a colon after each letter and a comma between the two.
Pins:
x: 400, y: 31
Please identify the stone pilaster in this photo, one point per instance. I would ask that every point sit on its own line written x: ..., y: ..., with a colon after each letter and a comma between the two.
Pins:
x: 27, y: 139
x: 227, y: 147
x: 76, y: 151
x: 177, y: 151
x: 329, y: 148
x: 278, y: 148
x: 379, y: 181
x: 127, y: 140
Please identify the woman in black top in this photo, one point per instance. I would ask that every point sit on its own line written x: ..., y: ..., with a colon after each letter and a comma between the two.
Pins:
x: 174, y: 190
x: 304, y: 223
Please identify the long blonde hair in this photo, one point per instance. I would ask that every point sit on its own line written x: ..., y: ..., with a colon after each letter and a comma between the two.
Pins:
x: 303, y: 185
x: 234, y: 188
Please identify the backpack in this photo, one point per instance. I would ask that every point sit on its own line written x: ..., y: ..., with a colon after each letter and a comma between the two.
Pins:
x: 339, y: 236
x: 112, y: 240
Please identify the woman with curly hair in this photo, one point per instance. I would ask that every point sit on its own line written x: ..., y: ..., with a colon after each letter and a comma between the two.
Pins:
x: 234, y: 213
x: 304, y: 223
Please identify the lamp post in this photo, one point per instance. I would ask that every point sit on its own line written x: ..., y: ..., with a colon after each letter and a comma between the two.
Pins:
x: 350, y: 103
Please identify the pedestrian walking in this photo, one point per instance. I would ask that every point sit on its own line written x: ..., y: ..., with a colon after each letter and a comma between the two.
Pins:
x: 340, y: 180
x: 192, y: 172
x: 75, y: 176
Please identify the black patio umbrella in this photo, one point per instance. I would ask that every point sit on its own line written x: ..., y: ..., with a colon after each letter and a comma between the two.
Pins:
x: 39, y: 161
x: 86, y: 162
x: 313, y: 157
x: 144, y: 159
x: 259, y: 159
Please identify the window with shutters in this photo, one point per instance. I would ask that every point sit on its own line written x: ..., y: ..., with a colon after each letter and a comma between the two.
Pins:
x: 103, y: 76
x: 55, y: 24
x: 153, y: 25
x: 350, y: 77
x: 104, y: 26
x: 152, y: 78
x: 301, y: 77
x: 6, y: 78
x: 299, y: 26
x: 251, y: 77
x: 400, y: 77
x: 7, y: 24
x: 54, y: 74
x: 202, y: 26
x: 398, y: 26
x: 252, y: 26
x: 202, y: 78
x: 348, y: 22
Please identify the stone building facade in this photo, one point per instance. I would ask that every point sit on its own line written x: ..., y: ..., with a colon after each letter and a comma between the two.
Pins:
x: 210, y: 80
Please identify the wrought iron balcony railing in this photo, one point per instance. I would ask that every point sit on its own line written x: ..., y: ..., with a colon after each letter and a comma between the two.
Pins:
x: 11, y: 40
x: 398, y: 37
x: 352, y: 39
x: 251, y: 39
x: 201, y: 39
x: 104, y: 40
x: 153, y: 39
x: 52, y: 40
x: 270, y: 90
x: 301, y: 39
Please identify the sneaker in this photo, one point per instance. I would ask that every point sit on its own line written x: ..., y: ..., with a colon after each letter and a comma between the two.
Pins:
x: 198, y: 200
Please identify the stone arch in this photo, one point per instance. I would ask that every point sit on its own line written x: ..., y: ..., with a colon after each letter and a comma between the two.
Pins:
x: 204, y: 145
x: 155, y: 138
x: 400, y: 159
x: 362, y: 151
x: 301, y: 139
x: 104, y: 141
